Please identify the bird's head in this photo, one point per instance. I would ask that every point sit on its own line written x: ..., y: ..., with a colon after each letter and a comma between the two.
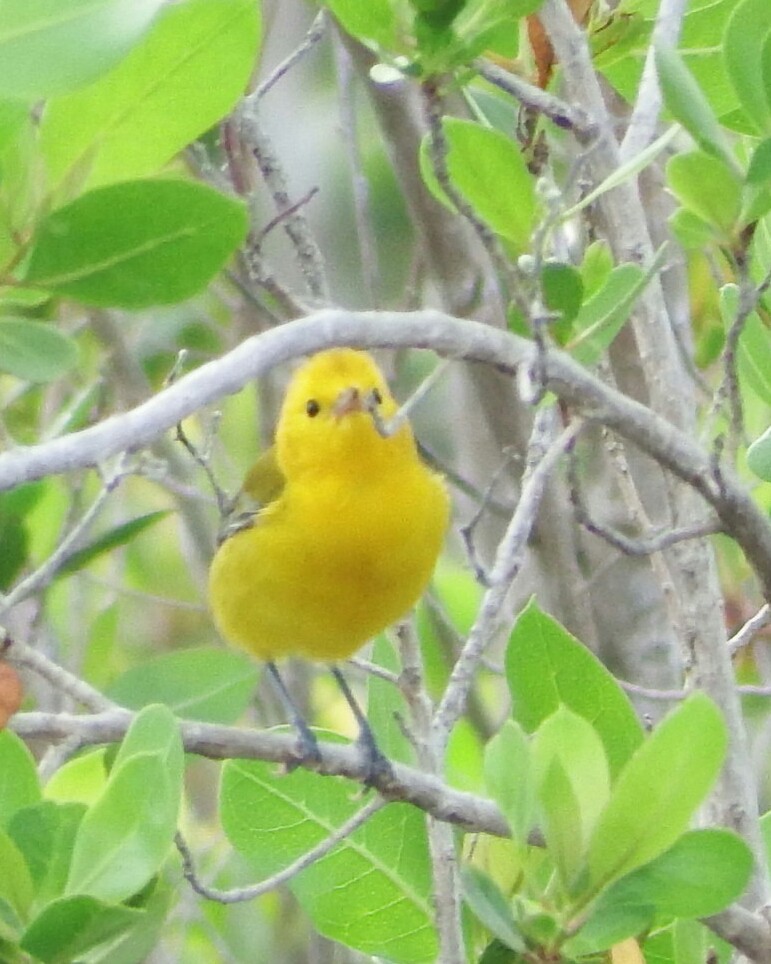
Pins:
x: 326, y: 420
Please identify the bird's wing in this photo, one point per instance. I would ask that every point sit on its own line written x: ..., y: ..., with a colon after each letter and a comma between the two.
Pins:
x: 262, y: 486
x: 264, y: 481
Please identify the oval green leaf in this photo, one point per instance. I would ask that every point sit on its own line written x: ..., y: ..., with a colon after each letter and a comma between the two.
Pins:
x: 745, y: 38
x: 19, y: 783
x: 546, y: 666
x: 136, y: 118
x: 125, y: 836
x: 136, y: 244
x: 209, y: 684
x: 706, y: 186
x: 382, y: 869
x: 703, y: 872
x: 71, y: 926
x: 489, y: 171
x: 35, y: 351
x: 49, y: 46
x: 646, y: 814
x: 759, y: 456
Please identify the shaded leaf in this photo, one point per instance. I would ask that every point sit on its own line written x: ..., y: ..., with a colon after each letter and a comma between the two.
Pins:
x: 546, y: 666
x: 646, y: 814
x: 70, y: 926
x: 47, y: 47
x: 119, y: 536
x: 491, y: 907
x: 382, y: 868
x: 209, y: 684
x: 35, y: 351
x: 136, y: 118
x: 136, y: 244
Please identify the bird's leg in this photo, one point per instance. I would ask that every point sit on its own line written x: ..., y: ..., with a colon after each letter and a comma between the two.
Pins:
x: 307, y: 745
x: 377, y: 764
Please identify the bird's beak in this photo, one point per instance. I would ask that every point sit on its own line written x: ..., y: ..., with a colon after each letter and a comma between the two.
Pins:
x: 349, y: 400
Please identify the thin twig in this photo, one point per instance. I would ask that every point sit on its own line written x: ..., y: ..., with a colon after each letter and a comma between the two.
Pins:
x: 307, y: 252
x: 315, y: 32
x: 655, y: 541
x: 373, y: 669
x: 467, y: 530
x: 359, y: 182
x: 462, y: 484
x: 60, y: 679
x: 390, y: 427
x: 754, y: 624
x: 312, y: 856
x: 45, y: 573
x: 201, y: 458
x: 564, y: 115
x: 541, y: 462
x: 645, y: 114
x: 441, y: 839
x: 285, y: 214
x: 438, y: 150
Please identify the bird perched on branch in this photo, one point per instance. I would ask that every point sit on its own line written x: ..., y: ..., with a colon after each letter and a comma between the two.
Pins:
x: 351, y: 528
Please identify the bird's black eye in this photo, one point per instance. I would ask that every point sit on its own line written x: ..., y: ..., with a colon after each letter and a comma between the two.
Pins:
x: 312, y: 408
x: 377, y: 398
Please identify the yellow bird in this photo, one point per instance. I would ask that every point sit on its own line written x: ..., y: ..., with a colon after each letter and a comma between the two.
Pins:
x: 349, y: 537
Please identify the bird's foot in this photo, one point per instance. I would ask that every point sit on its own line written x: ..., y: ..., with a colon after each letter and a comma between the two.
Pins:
x: 377, y: 766
x: 308, y: 752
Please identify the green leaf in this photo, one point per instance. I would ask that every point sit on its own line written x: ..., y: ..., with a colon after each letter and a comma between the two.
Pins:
x: 140, y: 941
x: 45, y: 835
x: 489, y: 905
x: 374, y: 20
x: 571, y: 764
x: 119, y: 536
x: 509, y: 778
x: 759, y: 170
x: 609, y: 925
x: 563, y: 292
x: 16, y: 888
x: 187, y: 74
x: 497, y: 952
x: 623, y: 173
x: 562, y: 820
x: 703, y: 872
x: 80, y: 780
x: 136, y: 244
x: 605, y: 313
x: 19, y: 784
x: 646, y: 814
x: 759, y: 456
x: 706, y: 186
x: 745, y: 37
x: 209, y: 684
x: 595, y: 268
x: 69, y: 927
x: 126, y: 835
x: 47, y: 47
x: 691, y: 232
x: 35, y: 351
x: 386, y: 706
x: 382, y: 869
x: 489, y: 171
x: 687, y: 103
x: 546, y: 666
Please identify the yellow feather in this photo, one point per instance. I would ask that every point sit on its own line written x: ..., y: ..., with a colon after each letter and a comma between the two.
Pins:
x: 349, y: 543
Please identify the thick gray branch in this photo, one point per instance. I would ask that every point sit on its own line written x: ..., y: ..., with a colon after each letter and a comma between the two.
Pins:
x: 448, y: 336
x: 225, y: 742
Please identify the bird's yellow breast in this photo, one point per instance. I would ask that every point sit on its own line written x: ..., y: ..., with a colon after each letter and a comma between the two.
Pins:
x: 328, y: 565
